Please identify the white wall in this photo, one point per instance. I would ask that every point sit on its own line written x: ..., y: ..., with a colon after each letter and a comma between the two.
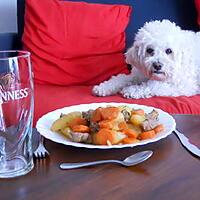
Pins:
x: 8, y: 16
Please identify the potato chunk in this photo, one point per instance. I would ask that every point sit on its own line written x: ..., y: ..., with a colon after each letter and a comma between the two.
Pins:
x: 64, y: 120
x: 137, y: 119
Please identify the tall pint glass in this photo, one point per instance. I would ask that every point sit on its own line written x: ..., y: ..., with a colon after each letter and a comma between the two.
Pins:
x: 16, y: 113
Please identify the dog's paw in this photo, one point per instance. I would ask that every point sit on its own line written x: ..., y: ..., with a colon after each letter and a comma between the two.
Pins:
x: 130, y: 93
x: 134, y: 92
x: 105, y: 89
x: 97, y: 90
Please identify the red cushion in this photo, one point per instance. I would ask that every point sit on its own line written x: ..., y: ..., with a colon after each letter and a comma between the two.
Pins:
x: 197, y: 2
x: 75, y: 43
x: 49, y: 98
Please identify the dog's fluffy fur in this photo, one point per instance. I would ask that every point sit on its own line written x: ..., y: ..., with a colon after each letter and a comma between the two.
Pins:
x: 165, y: 61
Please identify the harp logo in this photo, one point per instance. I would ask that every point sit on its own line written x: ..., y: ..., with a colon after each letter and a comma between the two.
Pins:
x: 8, y: 91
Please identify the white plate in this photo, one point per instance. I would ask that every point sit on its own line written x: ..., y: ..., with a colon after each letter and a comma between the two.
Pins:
x: 44, y: 123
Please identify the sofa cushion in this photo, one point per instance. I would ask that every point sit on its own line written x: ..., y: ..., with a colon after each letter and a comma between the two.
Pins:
x: 75, y: 43
x: 49, y: 98
x: 197, y: 3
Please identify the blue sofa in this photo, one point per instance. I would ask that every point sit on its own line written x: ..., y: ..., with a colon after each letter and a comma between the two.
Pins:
x: 183, y: 12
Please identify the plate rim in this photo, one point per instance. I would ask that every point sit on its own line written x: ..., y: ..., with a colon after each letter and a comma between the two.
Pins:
x: 91, y: 146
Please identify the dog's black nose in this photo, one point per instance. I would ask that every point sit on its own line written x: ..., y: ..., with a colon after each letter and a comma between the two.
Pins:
x: 157, y: 65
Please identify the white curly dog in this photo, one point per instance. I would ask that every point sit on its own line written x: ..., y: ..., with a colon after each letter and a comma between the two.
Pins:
x: 165, y: 61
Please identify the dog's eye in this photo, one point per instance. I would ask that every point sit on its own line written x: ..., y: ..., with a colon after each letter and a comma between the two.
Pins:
x: 150, y: 51
x: 168, y: 51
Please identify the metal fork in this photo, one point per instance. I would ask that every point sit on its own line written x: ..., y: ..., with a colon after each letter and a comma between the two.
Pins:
x: 41, y: 151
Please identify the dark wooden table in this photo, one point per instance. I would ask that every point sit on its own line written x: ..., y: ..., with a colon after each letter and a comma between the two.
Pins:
x: 172, y: 173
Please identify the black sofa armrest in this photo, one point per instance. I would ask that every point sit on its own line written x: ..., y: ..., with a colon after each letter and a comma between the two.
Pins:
x: 8, y: 41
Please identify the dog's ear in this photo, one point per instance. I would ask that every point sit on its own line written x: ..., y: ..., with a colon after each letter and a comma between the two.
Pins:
x: 131, y: 54
x: 185, y: 55
x: 186, y: 60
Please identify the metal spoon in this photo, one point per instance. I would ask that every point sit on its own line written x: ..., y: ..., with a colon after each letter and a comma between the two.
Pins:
x: 129, y: 161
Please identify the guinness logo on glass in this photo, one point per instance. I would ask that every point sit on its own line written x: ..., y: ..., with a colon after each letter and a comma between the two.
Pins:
x: 6, y: 81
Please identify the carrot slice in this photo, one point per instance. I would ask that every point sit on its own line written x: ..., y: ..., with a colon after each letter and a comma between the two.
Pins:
x: 106, y: 124
x: 138, y: 112
x: 96, y: 116
x: 80, y: 128
x: 129, y: 140
x: 110, y: 112
x: 122, y: 125
x: 130, y: 133
x: 77, y: 121
x: 103, y: 136
x: 147, y: 135
x: 159, y: 128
